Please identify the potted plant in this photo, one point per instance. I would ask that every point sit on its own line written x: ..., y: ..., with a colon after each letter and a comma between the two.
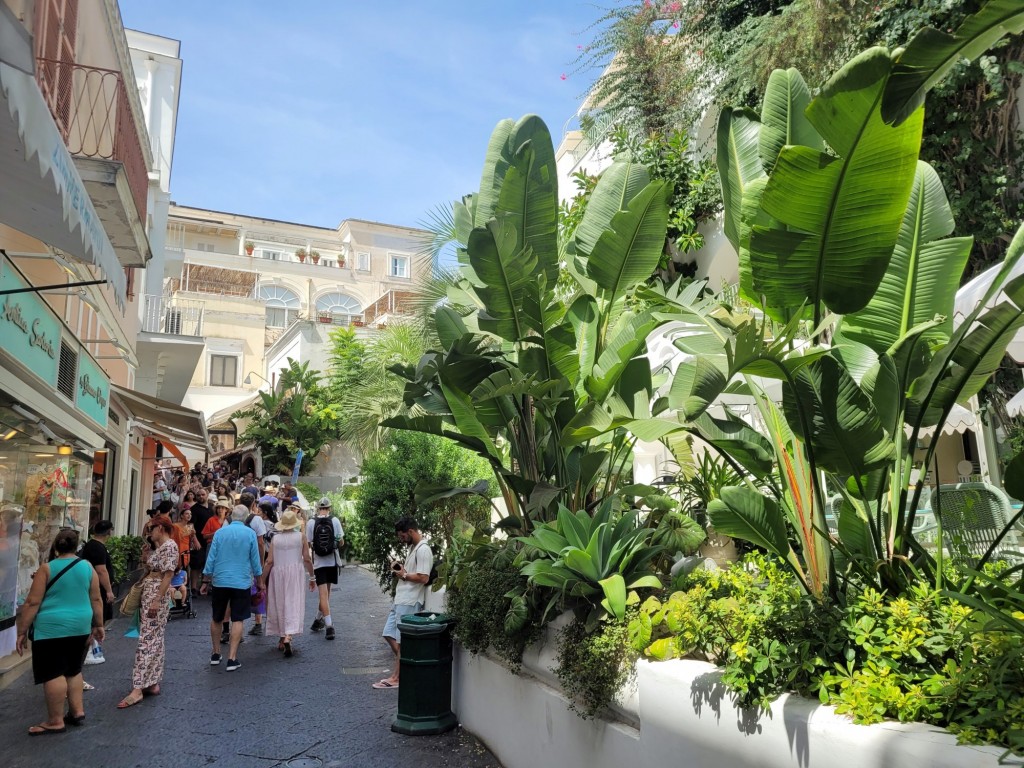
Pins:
x: 315, y: 256
x: 341, y: 262
x: 301, y: 253
x: 249, y: 247
x: 325, y: 317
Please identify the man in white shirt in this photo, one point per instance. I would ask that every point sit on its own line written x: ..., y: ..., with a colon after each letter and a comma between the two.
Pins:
x: 411, y: 590
x: 325, y: 536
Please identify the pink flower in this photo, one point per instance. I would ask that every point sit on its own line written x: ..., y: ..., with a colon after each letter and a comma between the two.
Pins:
x: 675, y: 7
x: 563, y: 77
x: 675, y: 25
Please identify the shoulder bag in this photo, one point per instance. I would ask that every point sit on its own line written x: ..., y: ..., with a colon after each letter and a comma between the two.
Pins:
x: 132, y: 601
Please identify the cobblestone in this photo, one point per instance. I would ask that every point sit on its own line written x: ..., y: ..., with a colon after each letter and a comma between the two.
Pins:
x: 315, y: 709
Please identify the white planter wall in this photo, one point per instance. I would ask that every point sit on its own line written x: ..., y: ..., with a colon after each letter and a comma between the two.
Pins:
x: 678, y: 714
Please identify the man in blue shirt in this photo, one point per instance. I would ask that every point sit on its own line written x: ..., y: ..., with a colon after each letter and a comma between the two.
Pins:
x: 231, y: 564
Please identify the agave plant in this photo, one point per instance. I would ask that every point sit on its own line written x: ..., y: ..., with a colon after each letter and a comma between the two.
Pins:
x: 598, y: 561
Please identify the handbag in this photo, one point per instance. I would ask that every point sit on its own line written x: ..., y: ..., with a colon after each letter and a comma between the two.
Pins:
x: 53, y: 580
x: 132, y: 601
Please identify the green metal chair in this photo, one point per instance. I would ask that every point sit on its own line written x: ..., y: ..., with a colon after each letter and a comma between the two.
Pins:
x: 972, y: 516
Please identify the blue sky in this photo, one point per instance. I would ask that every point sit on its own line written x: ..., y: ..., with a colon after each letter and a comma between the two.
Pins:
x: 320, y: 111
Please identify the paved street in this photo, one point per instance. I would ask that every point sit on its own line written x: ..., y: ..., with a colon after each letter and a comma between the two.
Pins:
x: 316, y: 708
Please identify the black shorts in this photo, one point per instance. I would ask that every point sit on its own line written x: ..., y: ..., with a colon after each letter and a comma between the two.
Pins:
x: 58, y: 657
x: 108, y: 611
x: 328, y: 575
x: 239, y: 599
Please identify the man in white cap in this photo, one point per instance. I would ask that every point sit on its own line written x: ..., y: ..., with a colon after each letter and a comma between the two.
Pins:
x: 232, y: 563
x: 325, y: 536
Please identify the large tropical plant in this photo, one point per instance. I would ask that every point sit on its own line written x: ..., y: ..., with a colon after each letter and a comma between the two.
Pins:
x: 533, y: 385
x: 845, y: 257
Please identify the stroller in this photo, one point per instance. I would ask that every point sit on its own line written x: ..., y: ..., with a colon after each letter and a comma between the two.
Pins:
x: 180, y: 594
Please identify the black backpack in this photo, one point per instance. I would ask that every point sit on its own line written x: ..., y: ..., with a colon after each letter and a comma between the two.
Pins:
x: 323, y: 536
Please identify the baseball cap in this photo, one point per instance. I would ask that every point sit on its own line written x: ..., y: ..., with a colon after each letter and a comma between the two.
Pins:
x: 324, y: 503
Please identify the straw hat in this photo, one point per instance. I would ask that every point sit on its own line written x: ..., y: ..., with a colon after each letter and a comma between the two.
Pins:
x: 289, y: 521
x: 224, y: 502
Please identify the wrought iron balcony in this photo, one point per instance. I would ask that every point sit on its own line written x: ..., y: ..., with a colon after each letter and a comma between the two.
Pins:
x: 94, y: 116
x: 173, y: 316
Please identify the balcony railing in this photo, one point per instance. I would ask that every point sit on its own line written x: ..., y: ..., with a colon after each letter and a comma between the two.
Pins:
x: 391, y: 303
x: 91, y: 108
x: 171, y: 315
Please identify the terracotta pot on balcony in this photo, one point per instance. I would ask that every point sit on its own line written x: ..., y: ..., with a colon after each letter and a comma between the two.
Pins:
x: 316, y: 258
x: 341, y: 263
x: 248, y: 249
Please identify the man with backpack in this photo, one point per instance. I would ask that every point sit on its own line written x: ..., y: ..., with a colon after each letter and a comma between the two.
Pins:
x: 411, y: 591
x: 325, y: 537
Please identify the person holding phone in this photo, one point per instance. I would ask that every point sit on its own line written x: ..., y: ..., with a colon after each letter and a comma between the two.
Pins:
x: 410, y: 592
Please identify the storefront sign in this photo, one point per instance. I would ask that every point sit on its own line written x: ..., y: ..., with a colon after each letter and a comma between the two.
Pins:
x: 29, y: 331
x: 92, y: 392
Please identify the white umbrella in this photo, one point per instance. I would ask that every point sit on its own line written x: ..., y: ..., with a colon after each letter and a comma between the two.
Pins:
x: 960, y: 420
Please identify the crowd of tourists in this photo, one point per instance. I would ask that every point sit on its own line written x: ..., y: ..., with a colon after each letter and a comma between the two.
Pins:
x: 253, y: 548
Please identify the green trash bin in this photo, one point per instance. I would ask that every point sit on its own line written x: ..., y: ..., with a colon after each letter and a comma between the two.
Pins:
x: 425, y: 695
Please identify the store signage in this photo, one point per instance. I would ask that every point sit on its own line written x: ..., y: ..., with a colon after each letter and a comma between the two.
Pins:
x: 92, y: 391
x: 29, y: 331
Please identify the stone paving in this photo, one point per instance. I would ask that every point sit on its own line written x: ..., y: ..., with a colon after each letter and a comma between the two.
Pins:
x: 314, y: 709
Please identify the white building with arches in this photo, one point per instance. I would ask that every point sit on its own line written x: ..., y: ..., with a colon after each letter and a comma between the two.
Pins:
x: 272, y: 290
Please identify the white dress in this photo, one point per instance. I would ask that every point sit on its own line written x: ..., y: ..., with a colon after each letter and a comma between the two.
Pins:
x: 286, y: 603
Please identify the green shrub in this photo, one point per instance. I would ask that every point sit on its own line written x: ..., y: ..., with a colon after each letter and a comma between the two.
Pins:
x: 922, y: 656
x: 481, y: 595
x: 310, y: 491
x: 125, y: 554
x: 390, y: 480
x: 593, y: 667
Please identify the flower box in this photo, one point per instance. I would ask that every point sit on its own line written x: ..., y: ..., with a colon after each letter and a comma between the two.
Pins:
x: 678, y: 713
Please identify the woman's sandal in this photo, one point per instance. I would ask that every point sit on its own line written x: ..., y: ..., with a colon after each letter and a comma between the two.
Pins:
x: 75, y: 720
x: 153, y: 690
x: 280, y: 644
x: 45, y: 730
x: 128, y: 701
x: 288, y: 650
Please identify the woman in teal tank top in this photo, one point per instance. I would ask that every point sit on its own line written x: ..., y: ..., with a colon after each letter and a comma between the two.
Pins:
x: 65, y: 610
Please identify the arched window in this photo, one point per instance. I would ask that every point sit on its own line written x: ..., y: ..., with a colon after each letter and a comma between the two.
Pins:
x: 282, y: 305
x: 338, y: 308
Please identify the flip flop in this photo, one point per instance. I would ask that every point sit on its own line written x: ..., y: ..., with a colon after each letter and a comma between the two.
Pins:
x: 128, y: 701
x: 87, y: 687
x: 384, y: 684
x: 42, y: 730
x: 70, y: 719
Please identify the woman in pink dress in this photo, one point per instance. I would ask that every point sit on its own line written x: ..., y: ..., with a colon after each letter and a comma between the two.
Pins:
x: 288, y: 566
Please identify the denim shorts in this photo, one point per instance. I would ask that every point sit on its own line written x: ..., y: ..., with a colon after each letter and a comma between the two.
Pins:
x: 394, y: 616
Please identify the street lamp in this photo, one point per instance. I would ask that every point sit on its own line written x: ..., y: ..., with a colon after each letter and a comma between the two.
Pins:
x: 248, y: 379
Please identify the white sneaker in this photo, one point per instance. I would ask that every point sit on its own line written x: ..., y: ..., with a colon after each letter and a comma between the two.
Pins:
x: 94, y: 658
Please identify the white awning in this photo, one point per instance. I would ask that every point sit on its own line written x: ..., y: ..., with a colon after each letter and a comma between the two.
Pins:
x: 42, y: 193
x: 1015, y: 405
x: 960, y: 420
x: 967, y: 299
x: 165, y: 420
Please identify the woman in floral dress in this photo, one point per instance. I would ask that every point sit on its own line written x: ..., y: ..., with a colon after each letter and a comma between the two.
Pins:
x: 149, y: 655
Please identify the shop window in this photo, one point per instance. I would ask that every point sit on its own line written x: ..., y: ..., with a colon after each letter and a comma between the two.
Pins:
x: 223, y: 371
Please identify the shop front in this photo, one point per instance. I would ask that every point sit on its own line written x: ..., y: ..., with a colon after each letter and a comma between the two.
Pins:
x: 53, y: 409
